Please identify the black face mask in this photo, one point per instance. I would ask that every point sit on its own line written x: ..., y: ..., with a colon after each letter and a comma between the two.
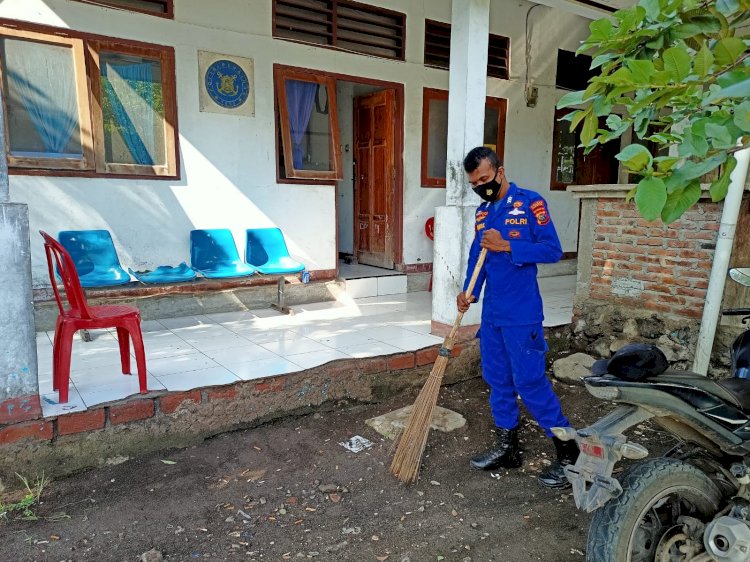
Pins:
x: 490, y: 190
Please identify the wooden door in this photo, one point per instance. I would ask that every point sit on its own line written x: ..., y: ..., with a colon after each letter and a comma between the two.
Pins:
x: 375, y: 178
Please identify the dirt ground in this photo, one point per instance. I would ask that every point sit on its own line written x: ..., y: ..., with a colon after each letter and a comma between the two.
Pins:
x: 290, y: 491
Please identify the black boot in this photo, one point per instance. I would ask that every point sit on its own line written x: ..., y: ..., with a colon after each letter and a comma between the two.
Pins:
x: 505, y: 453
x: 567, y: 453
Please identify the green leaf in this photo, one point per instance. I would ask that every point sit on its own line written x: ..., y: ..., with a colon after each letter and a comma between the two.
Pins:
x: 704, y: 59
x: 727, y: 7
x: 569, y: 99
x: 614, y: 121
x: 728, y: 50
x: 168, y: 462
x: 650, y: 197
x: 720, y: 187
x: 665, y: 163
x: 651, y: 7
x: 601, y: 59
x: 720, y: 136
x: 641, y: 70
x: 590, y: 126
x: 737, y: 90
x: 680, y: 201
x: 631, y: 194
x: 600, y: 29
x: 692, y: 145
x: 677, y: 62
x: 742, y: 116
x: 636, y: 157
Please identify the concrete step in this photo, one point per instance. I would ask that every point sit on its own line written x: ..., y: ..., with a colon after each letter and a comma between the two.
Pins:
x: 375, y: 286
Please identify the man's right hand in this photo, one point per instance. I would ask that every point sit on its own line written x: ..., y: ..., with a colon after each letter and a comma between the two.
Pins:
x: 463, y: 303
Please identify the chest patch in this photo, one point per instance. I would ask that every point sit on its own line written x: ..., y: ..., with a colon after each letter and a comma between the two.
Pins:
x: 517, y: 222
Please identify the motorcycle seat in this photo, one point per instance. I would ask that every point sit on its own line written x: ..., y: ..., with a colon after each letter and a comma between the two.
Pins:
x: 733, y: 391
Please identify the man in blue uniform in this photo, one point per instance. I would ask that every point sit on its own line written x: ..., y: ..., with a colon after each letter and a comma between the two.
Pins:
x: 515, y: 227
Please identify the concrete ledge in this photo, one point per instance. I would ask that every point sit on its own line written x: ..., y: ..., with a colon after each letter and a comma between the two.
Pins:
x: 112, y: 432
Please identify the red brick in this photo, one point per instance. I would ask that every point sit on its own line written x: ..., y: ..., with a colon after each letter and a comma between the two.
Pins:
x: 31, y: 430
x: 456, y: 351
x: 227, y: 393
x: 270, y: 385
x: 21, y: 408
x: 609, y: 213
x: 426, y: 356
x: 169, y: 403
x: 132, y: 411
x: 80, y: 422
x: 403, y: 361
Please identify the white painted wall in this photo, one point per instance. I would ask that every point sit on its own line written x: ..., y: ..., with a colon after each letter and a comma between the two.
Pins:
x: 228, y: 163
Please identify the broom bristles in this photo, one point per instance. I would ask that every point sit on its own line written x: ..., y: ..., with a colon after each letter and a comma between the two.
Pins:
x: 408, y: 457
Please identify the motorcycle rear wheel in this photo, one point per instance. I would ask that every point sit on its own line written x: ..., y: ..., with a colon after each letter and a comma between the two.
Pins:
x: 642, y: 522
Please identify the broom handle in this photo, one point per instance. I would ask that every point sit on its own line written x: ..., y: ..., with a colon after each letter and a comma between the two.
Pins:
x: 448, y: 343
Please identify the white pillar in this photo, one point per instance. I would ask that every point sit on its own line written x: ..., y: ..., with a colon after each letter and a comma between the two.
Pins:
x: 454, y: 223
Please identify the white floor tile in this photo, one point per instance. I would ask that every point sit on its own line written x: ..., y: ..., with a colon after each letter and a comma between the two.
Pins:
x: 393, y: 285
x: 51, y: 407
x: 358, y: 288
x: 385, y: 333
x: 95, y: 392
x: 316, y: 358
x: 346, y: 340
x: 264, y: 368
x: 232, y: 317
x: 219, y: 342
x: 185, y: 322
x: 213, y: 376
x: 236, y: 355
x: 179, y: 364
x: 267, y: 336
x: 373, y: 349
x: 151, y: 326
x: 414, y: 342
x: 154, y: 351
x: 295, y: 346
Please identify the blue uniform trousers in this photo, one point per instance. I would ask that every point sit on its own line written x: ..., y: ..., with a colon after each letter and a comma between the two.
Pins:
x: 513, y: 364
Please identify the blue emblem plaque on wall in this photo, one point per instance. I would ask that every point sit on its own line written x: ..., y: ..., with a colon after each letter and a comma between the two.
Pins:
x: 227, y: 84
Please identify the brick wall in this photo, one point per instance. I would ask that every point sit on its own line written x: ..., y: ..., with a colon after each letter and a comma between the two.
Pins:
x: 649, y: 265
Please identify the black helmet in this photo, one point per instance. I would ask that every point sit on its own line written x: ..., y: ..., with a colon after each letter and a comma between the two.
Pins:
x: 633, y: 362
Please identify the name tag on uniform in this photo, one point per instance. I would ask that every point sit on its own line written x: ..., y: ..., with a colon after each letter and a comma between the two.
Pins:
x: 517, y: 222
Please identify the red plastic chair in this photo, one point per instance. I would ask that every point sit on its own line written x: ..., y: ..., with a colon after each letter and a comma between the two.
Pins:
x: 80, y: 316
x: 429, y: 230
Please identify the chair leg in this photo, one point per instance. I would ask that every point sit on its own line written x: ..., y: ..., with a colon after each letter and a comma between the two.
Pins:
x: 56, y: 355
x: 65, y: 344
x: 124, y: 340
x: 140, y: 354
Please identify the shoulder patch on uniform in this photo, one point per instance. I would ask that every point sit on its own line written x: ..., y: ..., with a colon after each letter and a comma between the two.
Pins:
x: 481, y: 215
x: 540, y: 212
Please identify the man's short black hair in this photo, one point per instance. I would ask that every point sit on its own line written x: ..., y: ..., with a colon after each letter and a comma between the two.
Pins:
x: 476, y: 155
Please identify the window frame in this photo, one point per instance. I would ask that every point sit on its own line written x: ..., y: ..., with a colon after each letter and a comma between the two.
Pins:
x: 169, y: 14
x: 429, y: 94
x: 87, y: 80
x: 83, y: 100
x: 332, y: 33
x: 170, y: 110
x: 281, y: 74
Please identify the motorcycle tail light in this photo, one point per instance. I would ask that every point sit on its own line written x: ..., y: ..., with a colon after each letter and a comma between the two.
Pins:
x: 592, y: 450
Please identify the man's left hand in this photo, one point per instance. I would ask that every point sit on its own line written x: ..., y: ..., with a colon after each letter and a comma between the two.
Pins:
x: 494, y: 242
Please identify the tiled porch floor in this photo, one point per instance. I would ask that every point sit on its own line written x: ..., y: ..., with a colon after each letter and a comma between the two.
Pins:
x: 215, y: 349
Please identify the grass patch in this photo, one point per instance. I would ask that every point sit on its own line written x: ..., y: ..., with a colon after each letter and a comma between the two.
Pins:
x: 23, y: 509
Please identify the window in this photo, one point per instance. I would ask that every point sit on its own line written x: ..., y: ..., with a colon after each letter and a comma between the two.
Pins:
x: 163, y: 8
x: 435, y: 133
x: 437, y: 53
x: 119, y: 119
x: 342, y: 24
x: 308, y: 125
x: 573, y: 72
x: 569, y: 164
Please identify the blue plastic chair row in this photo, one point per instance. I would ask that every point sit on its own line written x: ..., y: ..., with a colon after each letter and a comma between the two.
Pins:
x: 213, y: 253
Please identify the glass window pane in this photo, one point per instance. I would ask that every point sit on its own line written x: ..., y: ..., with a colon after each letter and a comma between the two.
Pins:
x: 437, y: 138
x: 41, y: 99
x: 309, y: 125
x: 565, y: 150
x: 491, y: 119
x: 132, y: 110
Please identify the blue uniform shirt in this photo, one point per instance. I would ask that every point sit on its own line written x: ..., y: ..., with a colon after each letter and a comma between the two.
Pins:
x: 511, y: 292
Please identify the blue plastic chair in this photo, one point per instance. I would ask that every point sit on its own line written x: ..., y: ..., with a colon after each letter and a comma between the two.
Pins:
x: 165, y: 274
x: 94, y: 257
x: 266, y: 250
x: 214, y: 254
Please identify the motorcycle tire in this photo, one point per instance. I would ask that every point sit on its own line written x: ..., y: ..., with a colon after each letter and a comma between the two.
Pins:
x: 629, y: 528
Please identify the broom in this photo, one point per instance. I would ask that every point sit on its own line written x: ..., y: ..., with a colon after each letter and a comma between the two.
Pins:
x: 408, y: 457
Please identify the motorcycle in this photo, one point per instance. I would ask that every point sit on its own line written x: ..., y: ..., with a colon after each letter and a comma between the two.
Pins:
x: 693, y: 503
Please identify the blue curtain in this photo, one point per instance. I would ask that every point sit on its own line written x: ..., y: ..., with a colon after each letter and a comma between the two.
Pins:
x: 300, y: 97
x: 42, y: 75
x: 133, y: 109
